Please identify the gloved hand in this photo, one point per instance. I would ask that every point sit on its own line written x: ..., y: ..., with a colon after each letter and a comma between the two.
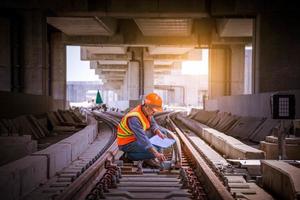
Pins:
x: 160, y: 156
x: 160, y: 134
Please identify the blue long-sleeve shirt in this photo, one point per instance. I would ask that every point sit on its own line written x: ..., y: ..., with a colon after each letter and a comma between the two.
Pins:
x: 136, y: 126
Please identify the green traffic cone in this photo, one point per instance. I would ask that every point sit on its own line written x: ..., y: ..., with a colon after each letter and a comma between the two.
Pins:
x: 98, y: 98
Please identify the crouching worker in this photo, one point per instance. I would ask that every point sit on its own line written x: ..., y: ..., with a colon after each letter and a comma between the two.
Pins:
x: 135, y: 129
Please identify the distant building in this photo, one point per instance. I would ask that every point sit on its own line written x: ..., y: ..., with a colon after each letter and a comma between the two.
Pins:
x: 80, y: 91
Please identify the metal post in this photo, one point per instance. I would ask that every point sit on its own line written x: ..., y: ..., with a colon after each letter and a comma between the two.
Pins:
x: 281, y: 141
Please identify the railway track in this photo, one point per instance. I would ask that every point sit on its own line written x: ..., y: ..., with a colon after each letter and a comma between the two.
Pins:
x: 111, y: 178
x: 107, y: 175
x: 122, y: 181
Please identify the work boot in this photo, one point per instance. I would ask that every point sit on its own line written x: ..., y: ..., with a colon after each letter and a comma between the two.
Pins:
x: 153, y: 163
x: 125, y: 158
x: 139, y: 166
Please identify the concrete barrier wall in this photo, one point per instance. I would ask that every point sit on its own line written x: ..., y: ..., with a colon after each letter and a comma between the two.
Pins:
x: 58, y: 157
x: 22, y: 176
x: 16, y: 147
x: 61, y: 154
x: 255, y: 105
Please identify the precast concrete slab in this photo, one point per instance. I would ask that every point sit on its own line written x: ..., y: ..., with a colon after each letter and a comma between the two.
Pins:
x: 224, y: 144
x: 20, y: 177
x: 292, y: 150
x: 91, y: 131
x: 264, y: 130
x: 245, y: 126
x: 231, y: 147
x: 58, y: 157
x: 243, y: 151
x: 203, y: 116
x: 288, y: 140
x: 215, y: 158
x: 215, y: 120
x: 281, y: 178
x: 79, y: 141
x: 16, y: 147
x: 193, y: 125
x: 64, y: 177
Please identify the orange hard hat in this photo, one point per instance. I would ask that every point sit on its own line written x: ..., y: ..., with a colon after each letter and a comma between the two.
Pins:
x: 155, y: 101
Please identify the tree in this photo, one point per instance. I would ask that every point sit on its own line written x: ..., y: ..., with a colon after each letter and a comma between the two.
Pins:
x: 98, y: 98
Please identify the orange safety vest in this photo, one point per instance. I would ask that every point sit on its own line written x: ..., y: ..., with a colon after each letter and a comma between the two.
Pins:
x: 124, y: 134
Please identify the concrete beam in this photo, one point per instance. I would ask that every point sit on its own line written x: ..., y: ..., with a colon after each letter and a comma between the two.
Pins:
x: 158, y: 73
x: 158, y: 67
x: 217, y: 40
x: 235, y: 27
x: 166, y: 57
x: 113, y: 62
x: 154, y: 50
x: 141, y: 8
x: 110, y: 73
x: 163, y: 69
x: 93, y: 64
x: 111, y: 87
x: 125, y: 39
x: 113, y: 79
x: 234, y: 8
x: 111, y: 76
x: 84, y: 25
x: 90, y: 56
x: 96, y: 65
x: 167, y: 54
x: 104, y: 49
x: 114, y: 70
x: 99, y: 66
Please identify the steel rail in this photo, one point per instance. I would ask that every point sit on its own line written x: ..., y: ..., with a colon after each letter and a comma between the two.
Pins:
x: 213, y: 185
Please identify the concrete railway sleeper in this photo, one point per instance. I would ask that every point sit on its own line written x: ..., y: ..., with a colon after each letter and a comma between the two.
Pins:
x: 123, y: 182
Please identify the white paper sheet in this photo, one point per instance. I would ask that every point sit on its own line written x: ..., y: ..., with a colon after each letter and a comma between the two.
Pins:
x: 164, y: 143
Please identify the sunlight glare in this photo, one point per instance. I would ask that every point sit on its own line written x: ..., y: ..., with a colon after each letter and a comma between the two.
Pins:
x: 199, y: 67
x: 194, y: 68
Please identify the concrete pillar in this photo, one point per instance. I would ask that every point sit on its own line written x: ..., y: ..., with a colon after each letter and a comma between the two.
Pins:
x: 125, y: 86
x: 237, y: 69
x: 133, y: 80
x: 248, y: 81
x: 35, y: 55
x: 148, y: 76
x: 118, y: 94
x: 58, y: 70
x: 277, y: 47
x: 105, y: 96
x: 5, y: 55
x: 219, y: 84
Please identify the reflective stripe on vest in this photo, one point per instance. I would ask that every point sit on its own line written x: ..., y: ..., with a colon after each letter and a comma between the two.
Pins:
x: 124, y: 134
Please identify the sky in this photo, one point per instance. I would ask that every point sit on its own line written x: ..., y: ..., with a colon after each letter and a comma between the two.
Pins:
x: 196, y: 67
x: 78, y: 70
